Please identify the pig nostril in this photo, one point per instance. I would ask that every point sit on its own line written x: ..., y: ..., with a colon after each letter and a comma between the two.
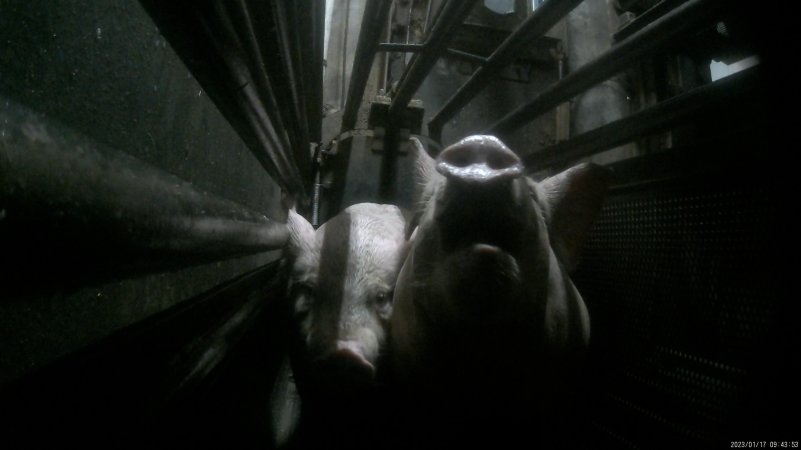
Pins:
x: 501, y: 160
x: 459, y: 157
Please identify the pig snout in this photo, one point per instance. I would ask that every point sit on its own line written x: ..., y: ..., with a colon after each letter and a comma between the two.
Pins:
x: 484, y: 199
x: 479, y: 160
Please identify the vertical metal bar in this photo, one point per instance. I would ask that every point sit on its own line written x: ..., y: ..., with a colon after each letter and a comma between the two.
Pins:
x: 314, y: 67
x: 385, y: 75
x: 344, y: 75
x: 689, y: 17
x: 373, y: 21
x: 408, y: 30
x: 542, y: 20
x: 428, y: 16
x: 453, y: 14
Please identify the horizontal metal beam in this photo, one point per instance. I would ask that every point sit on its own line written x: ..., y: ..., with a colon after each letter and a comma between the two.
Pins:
x: 478, y: 59
x: 398, y: 47
x: 689, y: 17
x: 542, y: 20
x: 654, y: 12
x: 373, y: 22
x: 710, y: 100
x: 453, y: 14
x: 68, y: 204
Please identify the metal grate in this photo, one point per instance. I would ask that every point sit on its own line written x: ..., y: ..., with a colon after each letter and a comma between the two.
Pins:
x: 680, y: 284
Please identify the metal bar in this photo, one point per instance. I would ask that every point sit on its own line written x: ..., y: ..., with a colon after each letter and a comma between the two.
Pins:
x: 373, y: 21
x: 728, y: 94
x: 240, y: 19
x: 478, y: 59
x: 261, y: 112
x: 398, y: 47
x: 287, y: 28
x: 417, y: 48
x: 198, y: 36
x: 542, y: 20
x: 68, y: 204
x: 689, y: 17
x: 385, y: 73
x: 315, y: 70
x: 428, y: 16
x: 654, y: 12
x: 453, y: 14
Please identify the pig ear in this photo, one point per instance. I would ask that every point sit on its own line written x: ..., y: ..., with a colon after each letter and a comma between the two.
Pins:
x: 301, y: 234
x: 574, y: 198
x: 425, y: 165
x: 425, y: 178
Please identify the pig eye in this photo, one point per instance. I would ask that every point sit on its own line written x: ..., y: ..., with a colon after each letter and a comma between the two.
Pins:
x: 383, y: 299
x: 303, y: 296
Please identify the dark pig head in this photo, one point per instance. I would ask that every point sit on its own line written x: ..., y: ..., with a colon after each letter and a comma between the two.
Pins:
x: 484, y: 296
x: 341, y: 286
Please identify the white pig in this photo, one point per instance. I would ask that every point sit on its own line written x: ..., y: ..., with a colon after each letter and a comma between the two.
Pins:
x: 341, y: 283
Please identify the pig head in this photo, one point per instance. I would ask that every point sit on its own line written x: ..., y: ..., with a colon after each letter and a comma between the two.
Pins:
x: 341, y: 285
x: 485, y: 312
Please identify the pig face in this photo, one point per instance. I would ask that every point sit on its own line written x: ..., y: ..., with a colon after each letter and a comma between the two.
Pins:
x: 485, y: 285
x: 341, y: 288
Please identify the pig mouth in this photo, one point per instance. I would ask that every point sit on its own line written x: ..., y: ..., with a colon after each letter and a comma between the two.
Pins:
x: 492, y: 228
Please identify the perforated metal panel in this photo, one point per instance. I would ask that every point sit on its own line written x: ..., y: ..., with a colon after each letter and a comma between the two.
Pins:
x: 686, y: 296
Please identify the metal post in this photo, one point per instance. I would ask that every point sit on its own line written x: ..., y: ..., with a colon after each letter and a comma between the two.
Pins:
x: 689, y: 17
x: 373, y: 21
x: 72, y: 208
x: 314, y: 69
x: 708, y: 100
x: 453, y: 14
x: 542, y: 20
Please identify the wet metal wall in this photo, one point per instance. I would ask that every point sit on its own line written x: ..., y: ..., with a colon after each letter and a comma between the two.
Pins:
x: 103, y: 70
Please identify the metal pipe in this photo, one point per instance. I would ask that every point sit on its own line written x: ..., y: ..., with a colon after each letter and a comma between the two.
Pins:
x: 287, y: 27
x: 453, y: 14
x: 542, y: 20
x: 214, y: 55
x: 261, y: 113
x: 373, y: 21
x: 709, y: 100
x: 689, y: 17
x: 245, y: 35
x: 71, y: 207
